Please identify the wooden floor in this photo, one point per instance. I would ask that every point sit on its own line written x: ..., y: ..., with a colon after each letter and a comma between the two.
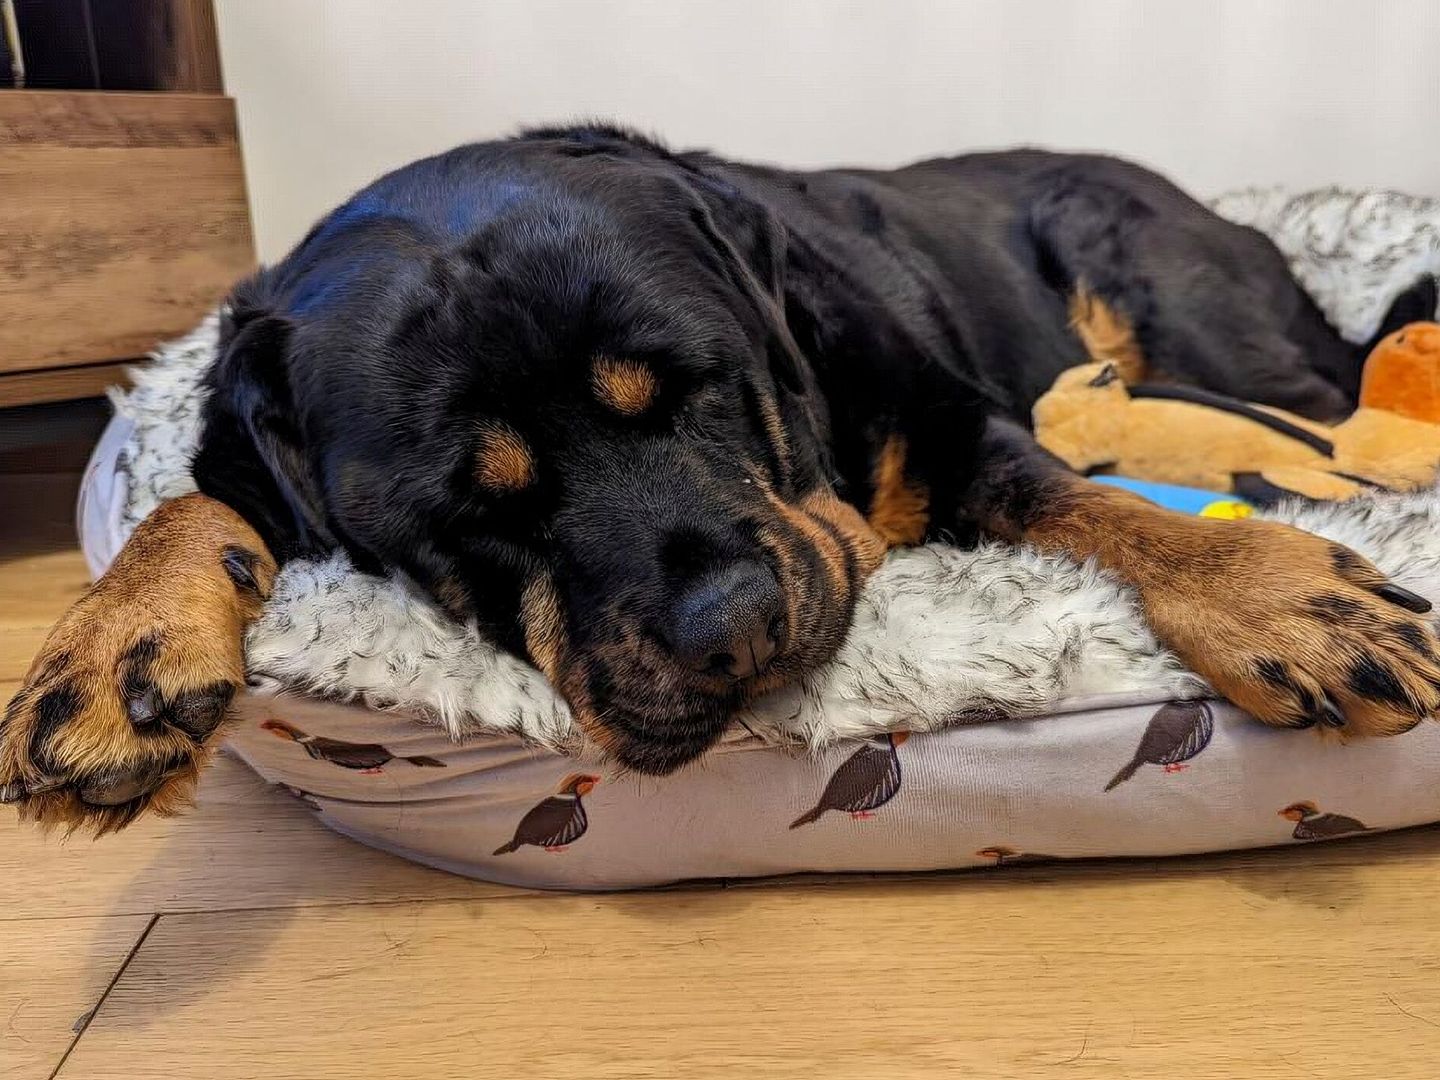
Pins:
x: 244, y: 940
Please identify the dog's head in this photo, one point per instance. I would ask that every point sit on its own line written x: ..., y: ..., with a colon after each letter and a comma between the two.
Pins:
x: 558, y: 391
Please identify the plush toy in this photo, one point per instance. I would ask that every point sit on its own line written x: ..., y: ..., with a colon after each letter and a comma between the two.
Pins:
x: 1180, y: 435
x: 1186, y: 500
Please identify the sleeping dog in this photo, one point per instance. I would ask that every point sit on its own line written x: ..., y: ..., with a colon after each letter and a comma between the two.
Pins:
x: 650, y: 418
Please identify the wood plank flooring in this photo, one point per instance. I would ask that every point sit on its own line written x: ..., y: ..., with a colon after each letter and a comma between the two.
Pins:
x: 245, y: 940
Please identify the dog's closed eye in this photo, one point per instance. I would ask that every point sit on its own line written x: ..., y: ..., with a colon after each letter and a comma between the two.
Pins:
x: 503, y: 461
x: 627, y: 386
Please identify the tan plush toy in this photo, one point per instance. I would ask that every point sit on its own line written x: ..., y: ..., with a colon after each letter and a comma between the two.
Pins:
x: 1179, y: 435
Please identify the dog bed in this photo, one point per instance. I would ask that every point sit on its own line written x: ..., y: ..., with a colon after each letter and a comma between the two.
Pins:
x: 990, y: 706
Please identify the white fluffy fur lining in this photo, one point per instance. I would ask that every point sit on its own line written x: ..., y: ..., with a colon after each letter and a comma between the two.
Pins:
x: 942, y: 636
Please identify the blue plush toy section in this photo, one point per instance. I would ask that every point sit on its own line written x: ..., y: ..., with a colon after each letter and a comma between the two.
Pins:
x: 1185, y: 499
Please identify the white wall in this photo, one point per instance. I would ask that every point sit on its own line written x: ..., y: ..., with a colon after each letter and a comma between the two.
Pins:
x: 1216, y: 93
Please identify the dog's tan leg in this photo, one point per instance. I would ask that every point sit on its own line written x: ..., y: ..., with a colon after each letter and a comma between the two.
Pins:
x: 121, y: 707
x: 1289, y: 626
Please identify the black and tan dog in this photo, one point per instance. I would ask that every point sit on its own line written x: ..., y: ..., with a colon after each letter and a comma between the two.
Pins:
x: 651, y: 418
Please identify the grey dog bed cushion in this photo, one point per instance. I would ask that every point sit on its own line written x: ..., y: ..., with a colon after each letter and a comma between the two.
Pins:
x: 1037, y: 716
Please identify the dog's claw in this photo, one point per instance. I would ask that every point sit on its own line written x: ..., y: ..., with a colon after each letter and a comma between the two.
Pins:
x: 142, y: 709
x: 122, y: 788
x: 1404, y: 598
x: 1330, y: 714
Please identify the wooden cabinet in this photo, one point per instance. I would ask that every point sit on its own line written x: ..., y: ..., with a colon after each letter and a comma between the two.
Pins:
x: 123, y: 216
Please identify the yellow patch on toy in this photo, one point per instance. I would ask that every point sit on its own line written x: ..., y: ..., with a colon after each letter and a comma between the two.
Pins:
x: 1227, y: 510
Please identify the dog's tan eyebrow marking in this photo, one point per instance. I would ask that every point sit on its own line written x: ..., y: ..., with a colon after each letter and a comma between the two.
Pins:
x: 627, y: 386
x: 502, y: 461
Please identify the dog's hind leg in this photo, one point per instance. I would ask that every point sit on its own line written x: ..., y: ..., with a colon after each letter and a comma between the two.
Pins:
x: 1204, y: 301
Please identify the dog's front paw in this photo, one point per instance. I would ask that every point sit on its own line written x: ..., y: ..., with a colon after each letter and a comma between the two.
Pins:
x: 1299, y: 631
x: 121, y: 708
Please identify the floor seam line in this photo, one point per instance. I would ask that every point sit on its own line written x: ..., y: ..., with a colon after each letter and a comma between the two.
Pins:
x: 85, y: 1022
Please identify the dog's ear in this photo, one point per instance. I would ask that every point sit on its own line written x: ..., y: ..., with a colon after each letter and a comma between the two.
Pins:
x: 752, y: 246
x: 251, y: 454
x: 748, y: 232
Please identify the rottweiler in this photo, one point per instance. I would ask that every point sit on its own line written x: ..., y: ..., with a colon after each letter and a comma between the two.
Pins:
x: 651, y: 417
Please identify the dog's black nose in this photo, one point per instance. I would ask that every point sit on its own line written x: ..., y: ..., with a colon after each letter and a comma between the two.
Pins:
x: 728, y: 621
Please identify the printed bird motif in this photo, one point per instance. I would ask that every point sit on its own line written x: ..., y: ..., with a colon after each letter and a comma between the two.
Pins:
x: 1006, y: 855
x: 1176, y: 733
x: 864, y: 782
x: 1311, y: 824
x: 556, y: 822
x: 367, y: 758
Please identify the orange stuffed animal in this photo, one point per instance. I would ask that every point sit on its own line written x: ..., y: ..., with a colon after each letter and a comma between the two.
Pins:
x: 1402, y: 374
x: 1178, y: 435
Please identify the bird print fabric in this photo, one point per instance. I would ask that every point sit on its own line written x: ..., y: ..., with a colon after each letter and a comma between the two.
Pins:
x: 864, y: 782
x: 368, y: 758
x: 1000, y: 855
x: 1311, y: 824
x: 556, y: 822
x: 1002, y: 795
x: 1177, y: 732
